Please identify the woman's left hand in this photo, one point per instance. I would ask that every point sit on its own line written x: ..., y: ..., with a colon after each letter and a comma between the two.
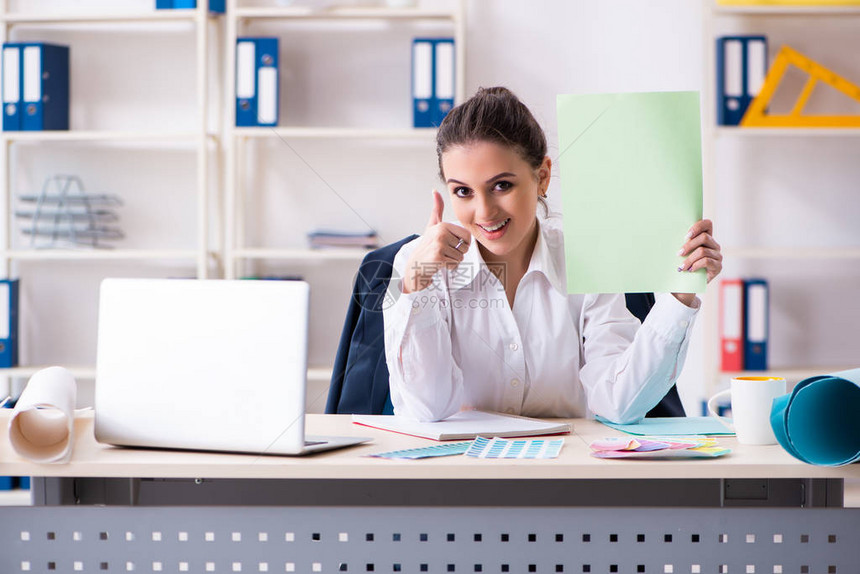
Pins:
x: 701, y: 252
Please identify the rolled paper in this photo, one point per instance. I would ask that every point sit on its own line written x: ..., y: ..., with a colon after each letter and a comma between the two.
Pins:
x: 42, y: 424
x: 819, y: 421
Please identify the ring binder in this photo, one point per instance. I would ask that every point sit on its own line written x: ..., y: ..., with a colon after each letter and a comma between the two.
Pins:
x: 41, y: 87
x: 256, y: 82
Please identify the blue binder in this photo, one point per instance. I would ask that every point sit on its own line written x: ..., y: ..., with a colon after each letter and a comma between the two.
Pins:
x: 741, y: 70
x: 422, y: 82
x: 433, y: 76
x: 11, y: 87
x: 256, y: 82
x: 43, y: 87
x: 214, y: 5
x: 45, y: 83
x: 756, y: 324
x: 443, y: 79
x: 8, y: 323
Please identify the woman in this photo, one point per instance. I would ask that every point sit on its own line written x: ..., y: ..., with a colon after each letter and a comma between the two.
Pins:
x: 488, y: 324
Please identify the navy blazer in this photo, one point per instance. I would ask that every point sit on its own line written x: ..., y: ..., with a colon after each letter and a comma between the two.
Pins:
x: 359, y: 380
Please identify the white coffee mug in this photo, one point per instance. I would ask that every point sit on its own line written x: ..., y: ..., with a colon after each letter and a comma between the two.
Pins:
x: 752, y: 398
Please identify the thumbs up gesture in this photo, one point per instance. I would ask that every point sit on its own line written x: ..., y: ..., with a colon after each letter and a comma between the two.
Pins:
x: 441, y: 244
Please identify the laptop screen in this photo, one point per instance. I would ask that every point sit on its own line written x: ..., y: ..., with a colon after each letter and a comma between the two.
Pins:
x: 202, y: 364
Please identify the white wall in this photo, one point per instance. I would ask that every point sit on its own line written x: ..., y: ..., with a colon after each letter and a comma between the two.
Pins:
x: 358, y: 74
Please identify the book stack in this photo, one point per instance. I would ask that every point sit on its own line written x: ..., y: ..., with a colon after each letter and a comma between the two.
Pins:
x: 322, y: 238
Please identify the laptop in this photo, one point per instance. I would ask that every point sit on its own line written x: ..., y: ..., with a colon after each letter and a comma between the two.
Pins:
x: 206, y: 365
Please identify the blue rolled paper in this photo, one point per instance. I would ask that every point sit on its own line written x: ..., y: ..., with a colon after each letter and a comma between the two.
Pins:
x: 819, y: 421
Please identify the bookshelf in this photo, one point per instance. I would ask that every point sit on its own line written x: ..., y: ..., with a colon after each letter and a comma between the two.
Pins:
x: 311, y: 134
x: 209, y: 209
x: 240, y: 20
x: 787, y: 183
x: 112, y: 130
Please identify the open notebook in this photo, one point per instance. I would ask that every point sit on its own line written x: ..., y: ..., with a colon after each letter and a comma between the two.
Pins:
x: 465, y: 425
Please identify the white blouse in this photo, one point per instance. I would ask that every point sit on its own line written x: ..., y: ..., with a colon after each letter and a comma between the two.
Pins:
x: 458, y: 344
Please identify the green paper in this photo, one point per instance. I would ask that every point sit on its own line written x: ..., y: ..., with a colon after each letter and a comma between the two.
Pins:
x: 631, y: 184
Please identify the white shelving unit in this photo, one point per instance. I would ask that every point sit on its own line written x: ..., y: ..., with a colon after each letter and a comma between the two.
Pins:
x: 200, y: 140
x: 796, y: 21
x: 237, y: 138
x: 221, y: 149
x: 238, y: 252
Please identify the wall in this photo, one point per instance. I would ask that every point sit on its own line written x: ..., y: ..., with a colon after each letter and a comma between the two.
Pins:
x: 537, y: 48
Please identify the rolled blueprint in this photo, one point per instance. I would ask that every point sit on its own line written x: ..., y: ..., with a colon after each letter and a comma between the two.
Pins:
x: 819, y: 421
x: 41, y: 428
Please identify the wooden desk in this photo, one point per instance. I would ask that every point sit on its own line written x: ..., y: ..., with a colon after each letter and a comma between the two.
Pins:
x: 92, y: 459
x: 172, y: 511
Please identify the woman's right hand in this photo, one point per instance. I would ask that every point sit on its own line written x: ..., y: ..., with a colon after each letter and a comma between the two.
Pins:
x: 441, y: 244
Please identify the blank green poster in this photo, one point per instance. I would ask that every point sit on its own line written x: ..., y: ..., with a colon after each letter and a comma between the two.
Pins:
x: 631, y: 182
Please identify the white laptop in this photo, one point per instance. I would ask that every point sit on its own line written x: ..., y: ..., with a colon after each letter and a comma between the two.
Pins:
x: 205, y: 364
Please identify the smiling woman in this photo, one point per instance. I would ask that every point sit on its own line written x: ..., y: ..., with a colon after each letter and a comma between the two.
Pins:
x: 495, y: 196
x: 484, y: 320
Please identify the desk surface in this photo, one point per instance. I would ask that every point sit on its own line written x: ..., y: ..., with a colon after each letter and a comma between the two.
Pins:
x: 92, y: 459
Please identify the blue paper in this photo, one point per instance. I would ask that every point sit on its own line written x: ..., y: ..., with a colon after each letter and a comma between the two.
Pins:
x: 671, y: 426
x: 819, y: 421
x: 447, y: 449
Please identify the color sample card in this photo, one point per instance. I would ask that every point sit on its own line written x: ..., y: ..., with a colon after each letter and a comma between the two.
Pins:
x: 631, y: 185
x: 501, y: 448
x: 657, y: 447
x: 446, y: 449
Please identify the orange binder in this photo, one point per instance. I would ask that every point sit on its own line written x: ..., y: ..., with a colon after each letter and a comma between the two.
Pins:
x: 732, y: 324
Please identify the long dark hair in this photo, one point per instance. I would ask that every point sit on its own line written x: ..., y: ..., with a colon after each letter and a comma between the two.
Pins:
x: 493, y: 115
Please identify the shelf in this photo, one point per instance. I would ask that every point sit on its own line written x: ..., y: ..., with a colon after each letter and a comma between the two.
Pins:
x: 82, y: 17
x: 792, y: 252
x: 79, y: 372
x: 724, y: 150
x: 104, y: 135
x: 301, y: 254
x: 723, y: 131
x: 97, y: 254
x: 381, y: 13
x: 319, y: 373
x: 798, y: 373
x: 786, y: 10
x: 343, y: 133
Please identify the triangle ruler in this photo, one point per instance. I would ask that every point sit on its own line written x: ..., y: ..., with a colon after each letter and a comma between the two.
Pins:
x: 756, y: 115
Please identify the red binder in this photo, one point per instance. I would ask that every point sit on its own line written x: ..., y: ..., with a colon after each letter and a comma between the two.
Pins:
x: 732, y: 324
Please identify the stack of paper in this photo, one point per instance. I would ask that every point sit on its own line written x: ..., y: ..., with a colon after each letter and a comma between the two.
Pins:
x: 330, y: 238
x: 657, y: 447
